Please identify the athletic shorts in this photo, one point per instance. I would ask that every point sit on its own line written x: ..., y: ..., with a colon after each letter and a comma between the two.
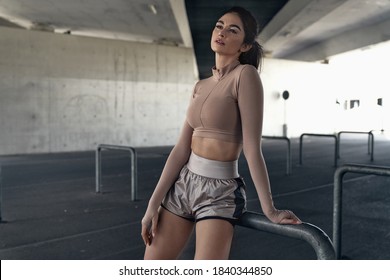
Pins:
x: 207, y: 189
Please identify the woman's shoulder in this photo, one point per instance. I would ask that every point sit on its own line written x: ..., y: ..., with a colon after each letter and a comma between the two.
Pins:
x: 247, y: 72
x: 247, y: 68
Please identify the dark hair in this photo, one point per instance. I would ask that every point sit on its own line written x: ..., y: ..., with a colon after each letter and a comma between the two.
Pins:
x: 255, y: 55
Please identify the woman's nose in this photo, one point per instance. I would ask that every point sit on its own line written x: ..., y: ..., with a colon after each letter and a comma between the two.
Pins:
x: 221, y: 33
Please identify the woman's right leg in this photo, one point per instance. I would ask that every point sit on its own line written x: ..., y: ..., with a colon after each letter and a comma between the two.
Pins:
x: 171, y: 236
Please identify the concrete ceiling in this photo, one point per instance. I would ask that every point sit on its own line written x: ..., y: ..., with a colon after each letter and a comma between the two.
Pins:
x: 307, y: 30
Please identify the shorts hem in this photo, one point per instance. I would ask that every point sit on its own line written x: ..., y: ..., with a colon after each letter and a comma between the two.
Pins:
x: 232, y: 221
x: 180, y: 216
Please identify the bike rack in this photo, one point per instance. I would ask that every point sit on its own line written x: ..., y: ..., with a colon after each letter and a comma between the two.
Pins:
x: 318, y: 135
x: 288, y: 155
x: 312, y: 234
x: 338, y: 192
x: 370, y: 141
x: 134, y: 172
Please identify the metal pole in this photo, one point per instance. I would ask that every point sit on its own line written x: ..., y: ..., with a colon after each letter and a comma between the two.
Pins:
x: 338, y: 144
x: 312, y: 234
x: 336, y: 151
x: 134, y: 175
x: 369, y: 141
x: 300, y: 148
x: 98, y: 169
x: 338, y: 195
x: 371, y: 147
x: 337, y: 210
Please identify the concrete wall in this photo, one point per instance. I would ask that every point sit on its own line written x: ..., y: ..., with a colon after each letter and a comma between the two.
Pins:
x: 68, y: 93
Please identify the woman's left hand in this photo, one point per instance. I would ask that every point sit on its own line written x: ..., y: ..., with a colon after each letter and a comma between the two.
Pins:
x: 149, y: 226
x: 283, y: 217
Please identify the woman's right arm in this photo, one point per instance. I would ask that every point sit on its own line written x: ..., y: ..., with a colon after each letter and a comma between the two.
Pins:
x: 175, y: 162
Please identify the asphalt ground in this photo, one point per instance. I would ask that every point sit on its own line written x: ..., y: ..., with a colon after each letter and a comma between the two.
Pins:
x: 50, y: 210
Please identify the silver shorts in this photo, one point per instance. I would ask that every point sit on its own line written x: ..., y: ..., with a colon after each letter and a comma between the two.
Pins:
x: 207, y: 189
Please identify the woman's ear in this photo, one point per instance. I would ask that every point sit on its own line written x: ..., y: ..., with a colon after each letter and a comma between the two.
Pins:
x: 245, y: 47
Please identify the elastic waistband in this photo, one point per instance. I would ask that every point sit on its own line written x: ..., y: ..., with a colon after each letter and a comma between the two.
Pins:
x: 213, y: 168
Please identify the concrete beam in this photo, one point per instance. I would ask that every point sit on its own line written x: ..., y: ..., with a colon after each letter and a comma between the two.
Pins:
x: 7, y: 23
x: 347, y: 41
x: 8, y: 20
x: 180, y: 13
x: 293, y: 18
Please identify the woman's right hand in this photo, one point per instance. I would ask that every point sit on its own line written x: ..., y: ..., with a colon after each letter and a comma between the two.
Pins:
x: 149, y: 226
x: 283, y: 217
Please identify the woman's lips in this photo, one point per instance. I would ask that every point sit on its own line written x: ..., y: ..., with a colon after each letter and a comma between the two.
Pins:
x: 219, y: 42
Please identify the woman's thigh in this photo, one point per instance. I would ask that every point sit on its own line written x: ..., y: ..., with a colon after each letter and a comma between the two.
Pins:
x: 171, y: 236
x: 213, y: 239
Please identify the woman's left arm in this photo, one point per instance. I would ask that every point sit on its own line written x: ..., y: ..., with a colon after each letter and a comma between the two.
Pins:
x: 251, y: 105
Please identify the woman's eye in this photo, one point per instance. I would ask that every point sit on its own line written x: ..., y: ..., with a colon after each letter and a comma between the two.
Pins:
x: 218, y: 26
x: 234, y: 31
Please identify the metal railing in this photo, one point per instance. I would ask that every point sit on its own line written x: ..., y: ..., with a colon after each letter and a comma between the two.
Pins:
x: 338, y: 195
x: 370, y: 141
x: 134, y: 171
x: 318, y: 135
x: 312, y: 234
x: 288, y: 155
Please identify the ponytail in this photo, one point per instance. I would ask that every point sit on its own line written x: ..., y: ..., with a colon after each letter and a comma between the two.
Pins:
x: 253, y: 56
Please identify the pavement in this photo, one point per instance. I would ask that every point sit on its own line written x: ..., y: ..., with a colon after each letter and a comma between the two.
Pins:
x: 50, y: 210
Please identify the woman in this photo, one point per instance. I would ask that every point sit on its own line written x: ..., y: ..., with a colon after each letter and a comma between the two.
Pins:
x: 200, y: 186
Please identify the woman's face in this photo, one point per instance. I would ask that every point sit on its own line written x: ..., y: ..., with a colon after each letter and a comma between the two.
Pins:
x: 228, y: 36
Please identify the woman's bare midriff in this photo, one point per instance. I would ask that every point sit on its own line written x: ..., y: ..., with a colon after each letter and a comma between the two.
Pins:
x: 215, y: 149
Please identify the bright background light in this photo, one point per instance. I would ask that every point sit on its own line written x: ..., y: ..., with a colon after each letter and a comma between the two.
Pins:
x: 363, y: 75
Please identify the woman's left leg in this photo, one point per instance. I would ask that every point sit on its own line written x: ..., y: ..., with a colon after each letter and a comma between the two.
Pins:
x: 213, y: 239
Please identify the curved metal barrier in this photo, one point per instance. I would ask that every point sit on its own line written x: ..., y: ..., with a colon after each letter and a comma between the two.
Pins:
x: 312, y: 234
x: 318, y: 135
x: 134, y: 171
x: 370, y: 141
x: 338, y: 192
x: 288, y: 156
